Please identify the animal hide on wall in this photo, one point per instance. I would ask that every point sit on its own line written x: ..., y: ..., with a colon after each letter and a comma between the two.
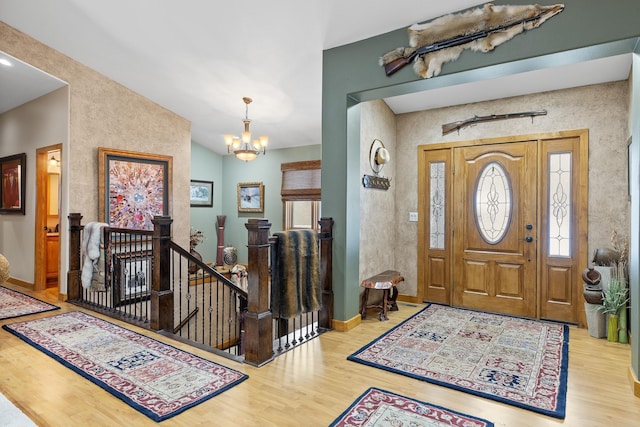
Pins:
x: 483, y: 18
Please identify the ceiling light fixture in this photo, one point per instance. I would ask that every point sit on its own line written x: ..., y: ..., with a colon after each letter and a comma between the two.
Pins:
x: 242, y: 147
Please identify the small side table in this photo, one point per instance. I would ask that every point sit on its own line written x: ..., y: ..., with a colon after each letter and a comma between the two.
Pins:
x: 386, y: 281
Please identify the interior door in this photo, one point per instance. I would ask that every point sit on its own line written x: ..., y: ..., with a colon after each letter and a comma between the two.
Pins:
x: 494, y: 242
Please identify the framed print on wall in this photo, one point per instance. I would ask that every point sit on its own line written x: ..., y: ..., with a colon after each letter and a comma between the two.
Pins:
x: 133, y: 188
x: 201, y: 193
x: 12, y: 187
x: 250, y: 197
x: 133, y: 277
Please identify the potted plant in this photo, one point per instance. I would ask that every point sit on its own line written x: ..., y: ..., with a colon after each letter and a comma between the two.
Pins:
x: 614, y: 299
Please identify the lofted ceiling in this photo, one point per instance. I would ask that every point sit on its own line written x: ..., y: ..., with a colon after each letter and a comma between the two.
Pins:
x: 199, y: 58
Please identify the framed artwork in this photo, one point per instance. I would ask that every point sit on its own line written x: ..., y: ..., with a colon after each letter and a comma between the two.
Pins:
x: 201, y: 193
x: 133, y: 188
x: 132, y: 277
x: 250, y: 197
x: 12, y: 188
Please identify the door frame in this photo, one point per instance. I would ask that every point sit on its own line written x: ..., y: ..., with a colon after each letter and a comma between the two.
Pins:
x: 444, y: 265
x: 42, y: 202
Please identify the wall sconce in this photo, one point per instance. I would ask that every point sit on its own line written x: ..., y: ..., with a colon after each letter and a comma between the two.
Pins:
x: 378, y: 157
x: 53, y: 161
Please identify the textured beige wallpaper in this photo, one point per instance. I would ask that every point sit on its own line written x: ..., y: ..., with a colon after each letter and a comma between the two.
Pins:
x: 377, y: 207
x: 603, y: 109
x: 104, y: 113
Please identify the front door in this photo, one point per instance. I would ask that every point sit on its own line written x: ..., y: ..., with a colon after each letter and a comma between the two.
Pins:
x: 495, y: 214
x: 504, y: 224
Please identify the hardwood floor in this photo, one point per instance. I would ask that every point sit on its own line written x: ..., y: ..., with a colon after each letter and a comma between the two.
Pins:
x: 310, y: 385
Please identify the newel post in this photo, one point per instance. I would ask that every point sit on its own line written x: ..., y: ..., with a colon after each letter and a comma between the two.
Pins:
x: 74, y: 287
x: 326, y: 272
x: 258, y: 319
x: 161, y: 316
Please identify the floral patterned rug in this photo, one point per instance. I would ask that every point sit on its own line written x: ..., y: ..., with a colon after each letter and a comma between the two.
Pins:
x: 156, y: 379
x: 381, y: 408
x: 16, y: 304
x: 517, y: 361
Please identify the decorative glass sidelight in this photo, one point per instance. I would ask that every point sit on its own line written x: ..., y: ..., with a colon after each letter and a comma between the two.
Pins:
x: 560, y: 204
x: 493, y: 203
x: 437, y: 204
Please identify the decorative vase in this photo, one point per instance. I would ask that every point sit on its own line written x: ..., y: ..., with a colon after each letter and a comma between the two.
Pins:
x: 623, y: 335
x: 221, y: 220
x: 592, y: 293
x: 193, y: 267
x: 612, y: 328
x: 606, y: 257
x: 230, y: 257
x: 591, y: 276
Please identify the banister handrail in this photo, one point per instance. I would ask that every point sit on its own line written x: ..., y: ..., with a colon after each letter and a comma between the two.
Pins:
x: 207, y: 269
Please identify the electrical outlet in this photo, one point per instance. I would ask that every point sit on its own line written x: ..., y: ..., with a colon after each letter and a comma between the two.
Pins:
x: 413, y: 216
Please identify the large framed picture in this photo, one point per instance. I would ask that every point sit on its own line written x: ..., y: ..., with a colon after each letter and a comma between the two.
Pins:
x: 133, y: 188
x: 201, y: 193
x: 250, y: 197
x: 12, y: 187
x: 132, y: 272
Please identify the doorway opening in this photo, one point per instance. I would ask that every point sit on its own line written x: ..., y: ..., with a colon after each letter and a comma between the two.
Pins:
x: 47, y: 221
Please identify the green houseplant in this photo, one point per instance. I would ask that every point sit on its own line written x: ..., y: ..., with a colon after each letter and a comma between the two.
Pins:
x: 614, y: 299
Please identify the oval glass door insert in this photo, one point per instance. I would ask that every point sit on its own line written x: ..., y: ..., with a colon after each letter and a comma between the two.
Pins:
x: 493, y: 203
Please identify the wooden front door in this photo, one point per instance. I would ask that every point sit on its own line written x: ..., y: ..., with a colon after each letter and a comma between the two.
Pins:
x: 495, y: 197
x: 504, y: 224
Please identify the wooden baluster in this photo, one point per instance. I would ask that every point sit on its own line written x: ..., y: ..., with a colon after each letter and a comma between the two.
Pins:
x: 326, y: 272
x: 74, y: 287
x: 258, y: 320
x: 161, y: 316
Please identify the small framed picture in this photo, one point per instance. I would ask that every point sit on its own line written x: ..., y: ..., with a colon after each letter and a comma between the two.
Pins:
x: 133, y: 277
x: 201, y: 193
x: 250, y: 197
x: 12, y: 188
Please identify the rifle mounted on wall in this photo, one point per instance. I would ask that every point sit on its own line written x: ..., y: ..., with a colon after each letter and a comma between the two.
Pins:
x: 397, y: 64
x: 450, y: 127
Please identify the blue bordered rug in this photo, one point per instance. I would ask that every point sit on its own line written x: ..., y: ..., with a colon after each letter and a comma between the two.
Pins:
x: 16, y: 304
x: 381, y: 408
x: 516, y: 361
x: 155, y: 378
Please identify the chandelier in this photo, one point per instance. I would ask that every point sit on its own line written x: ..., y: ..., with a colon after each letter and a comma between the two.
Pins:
x: 242, y: 146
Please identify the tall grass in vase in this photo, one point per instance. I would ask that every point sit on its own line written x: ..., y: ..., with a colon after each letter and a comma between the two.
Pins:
x: 614, y: 300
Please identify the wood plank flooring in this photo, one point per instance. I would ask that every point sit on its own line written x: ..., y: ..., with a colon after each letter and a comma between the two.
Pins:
x: 309, y: 386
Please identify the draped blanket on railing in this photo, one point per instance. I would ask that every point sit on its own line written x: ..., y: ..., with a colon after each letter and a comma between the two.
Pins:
x: 295, y: 283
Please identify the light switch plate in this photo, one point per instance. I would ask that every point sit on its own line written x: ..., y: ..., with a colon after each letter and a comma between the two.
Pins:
x: 413, y: 216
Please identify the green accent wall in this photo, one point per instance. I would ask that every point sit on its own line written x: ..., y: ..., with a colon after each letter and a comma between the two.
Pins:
x: 586, y: 29
x: 226, y: 172
x: 206, y: 166
x: 634, y: 240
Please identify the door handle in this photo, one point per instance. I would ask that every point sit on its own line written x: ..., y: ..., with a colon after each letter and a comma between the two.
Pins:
x: 528, y: 239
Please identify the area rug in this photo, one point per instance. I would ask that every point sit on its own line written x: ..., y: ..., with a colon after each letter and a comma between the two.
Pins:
x: 155, y: 378
x: 381, y: 408
x: 16, y: 304
x: 516, y: 361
